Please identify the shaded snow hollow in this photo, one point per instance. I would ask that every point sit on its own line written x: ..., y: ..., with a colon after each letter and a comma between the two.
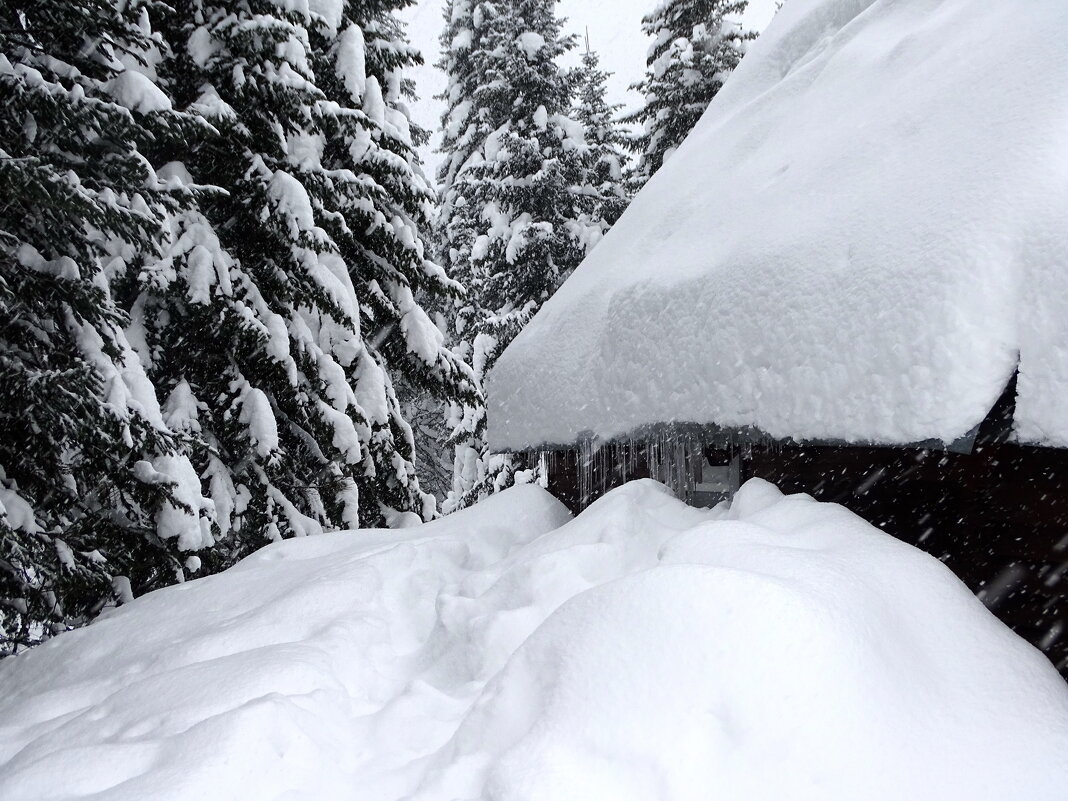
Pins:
x: 778, y: 649
x: 858, y: 241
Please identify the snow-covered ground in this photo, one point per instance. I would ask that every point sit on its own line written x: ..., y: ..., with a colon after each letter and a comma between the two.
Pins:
x: 614, y: 28
x: 779, y: 649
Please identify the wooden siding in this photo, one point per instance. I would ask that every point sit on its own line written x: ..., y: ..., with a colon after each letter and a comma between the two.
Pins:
x: 998, y: 517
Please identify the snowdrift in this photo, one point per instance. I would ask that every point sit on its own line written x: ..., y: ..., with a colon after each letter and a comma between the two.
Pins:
x: 859, y: 241
x: 645, y: 650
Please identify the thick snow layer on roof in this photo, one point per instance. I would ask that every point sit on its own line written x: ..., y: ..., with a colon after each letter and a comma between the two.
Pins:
x: 858, y: 240
x: 779, y: 649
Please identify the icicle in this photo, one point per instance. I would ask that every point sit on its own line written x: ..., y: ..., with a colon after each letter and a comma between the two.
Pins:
x: 693, y: 465
x: 679, y: 478
x: 650, y: 458
x: 587, y: 472
x: 663, y: 470
x: 584, y: 468
x: 602, y: 460
x: 657, y: 450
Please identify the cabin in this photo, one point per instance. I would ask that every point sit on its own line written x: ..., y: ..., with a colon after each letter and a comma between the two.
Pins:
x: 850, y: 280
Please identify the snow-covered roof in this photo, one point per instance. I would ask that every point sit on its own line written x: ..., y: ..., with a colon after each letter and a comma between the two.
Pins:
x: 861, y: 240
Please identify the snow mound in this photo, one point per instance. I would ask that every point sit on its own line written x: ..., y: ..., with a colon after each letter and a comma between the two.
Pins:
x: 860, y: 240
x: 781, y: 648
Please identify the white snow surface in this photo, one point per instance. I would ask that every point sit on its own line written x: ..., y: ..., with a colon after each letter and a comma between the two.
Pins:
x: 136, y: 91
x: 857, y: 242
x: 531, y: 42
x: 778, y: 649
x: 352, y: 61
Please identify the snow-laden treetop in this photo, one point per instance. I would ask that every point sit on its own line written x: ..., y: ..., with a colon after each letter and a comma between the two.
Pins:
x: 862, y: 239
x: 777, y: 649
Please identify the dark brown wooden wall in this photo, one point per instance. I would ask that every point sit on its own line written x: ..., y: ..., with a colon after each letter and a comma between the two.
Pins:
x: 613, y: 465
x: 998, y: 517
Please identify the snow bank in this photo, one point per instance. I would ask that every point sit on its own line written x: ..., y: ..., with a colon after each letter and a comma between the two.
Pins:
x: 645, y: 650
x: 857, y: 241
x: 617, y: 37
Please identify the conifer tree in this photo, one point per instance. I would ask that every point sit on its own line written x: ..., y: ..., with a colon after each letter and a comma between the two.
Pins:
x: 427, y: 414
x: 284, y: 311
x: 515, y: 218
x: 696, y: 45
x: 391, y: 267
x: 96, y: 502
x: 605, y: 138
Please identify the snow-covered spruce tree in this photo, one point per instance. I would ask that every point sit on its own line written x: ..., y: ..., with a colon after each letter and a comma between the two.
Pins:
x: 696, y: 45
x: 517, y: 215
x: 285, y: 310
x: 426, y: 413
x: 605, y: 138
x: 95, y: 501
x: 385, y: 213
